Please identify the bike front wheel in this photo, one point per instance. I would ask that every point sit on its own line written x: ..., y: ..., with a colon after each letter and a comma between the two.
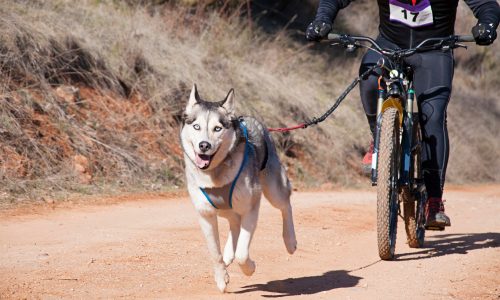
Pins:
x: 387, y: 186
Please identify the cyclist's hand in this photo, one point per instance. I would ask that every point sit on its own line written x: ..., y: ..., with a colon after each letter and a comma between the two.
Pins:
x: 317, y: 30
x: 484, y: 34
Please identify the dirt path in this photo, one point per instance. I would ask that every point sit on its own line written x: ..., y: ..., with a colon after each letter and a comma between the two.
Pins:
x: 154, y: 249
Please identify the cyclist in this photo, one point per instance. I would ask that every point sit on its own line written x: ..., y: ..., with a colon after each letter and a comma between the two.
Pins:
x: 404, y: 24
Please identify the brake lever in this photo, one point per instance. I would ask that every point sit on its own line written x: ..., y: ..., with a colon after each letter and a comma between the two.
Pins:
x: 451, y: 44
x: 349, y: 47
x: 350, y: 44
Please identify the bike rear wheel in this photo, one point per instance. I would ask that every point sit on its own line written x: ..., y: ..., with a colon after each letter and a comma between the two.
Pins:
x: 414, y: 200
x: 413, y: 215
x: 387, y: 186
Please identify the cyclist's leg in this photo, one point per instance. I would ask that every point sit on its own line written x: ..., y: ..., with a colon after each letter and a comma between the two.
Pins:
x: 368, y: 87
x: 368, y: 93
x: 433, y: 75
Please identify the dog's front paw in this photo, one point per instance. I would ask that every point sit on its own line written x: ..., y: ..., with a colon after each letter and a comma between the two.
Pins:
x: 248, y: 268
x: 221, y: 279
x: 290, y: 244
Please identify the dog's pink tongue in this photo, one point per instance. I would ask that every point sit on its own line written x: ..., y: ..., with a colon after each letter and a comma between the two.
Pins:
x: 202, y: 161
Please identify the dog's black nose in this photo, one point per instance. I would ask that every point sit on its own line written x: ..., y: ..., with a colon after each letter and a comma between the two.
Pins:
x: 205, y: 146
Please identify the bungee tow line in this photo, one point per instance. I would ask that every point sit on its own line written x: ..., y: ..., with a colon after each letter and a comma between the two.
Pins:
x: 315, y: 120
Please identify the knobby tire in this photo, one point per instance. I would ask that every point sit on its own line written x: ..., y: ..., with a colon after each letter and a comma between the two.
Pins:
x: 387, y: 194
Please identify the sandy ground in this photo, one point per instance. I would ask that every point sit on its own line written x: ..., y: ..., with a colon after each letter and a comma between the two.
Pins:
x: 153, y: 248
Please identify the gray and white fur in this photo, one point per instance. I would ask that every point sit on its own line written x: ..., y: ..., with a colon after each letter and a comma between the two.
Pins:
x: 214, y: 147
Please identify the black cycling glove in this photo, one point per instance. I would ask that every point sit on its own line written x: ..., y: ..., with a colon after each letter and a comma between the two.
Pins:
x: 317, y: 30
x: 484, y: 34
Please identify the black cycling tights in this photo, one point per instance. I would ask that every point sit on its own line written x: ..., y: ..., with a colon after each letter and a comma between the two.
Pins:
x: 433, y: 75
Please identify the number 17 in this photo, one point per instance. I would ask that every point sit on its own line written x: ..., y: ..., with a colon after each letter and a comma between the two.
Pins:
x: 414, y: 14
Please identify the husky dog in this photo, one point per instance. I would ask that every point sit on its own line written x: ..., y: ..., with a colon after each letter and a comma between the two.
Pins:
x: 230, y: 162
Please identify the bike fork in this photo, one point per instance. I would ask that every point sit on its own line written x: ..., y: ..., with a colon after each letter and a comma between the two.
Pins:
x: 407, y: 140
x: 380, y: 101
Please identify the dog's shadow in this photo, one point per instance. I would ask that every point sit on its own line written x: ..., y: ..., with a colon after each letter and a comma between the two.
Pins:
x: 459, y: 243
x: 304, y: 285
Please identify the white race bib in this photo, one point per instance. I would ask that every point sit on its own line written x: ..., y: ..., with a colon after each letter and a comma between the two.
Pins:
x: 413, y: 16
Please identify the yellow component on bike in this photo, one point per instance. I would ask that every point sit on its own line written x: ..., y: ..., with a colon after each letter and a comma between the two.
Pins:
x: 396, y: 103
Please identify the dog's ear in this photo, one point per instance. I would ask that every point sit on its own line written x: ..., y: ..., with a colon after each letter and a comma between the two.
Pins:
x: 228, y: 102
x: 194, y: 98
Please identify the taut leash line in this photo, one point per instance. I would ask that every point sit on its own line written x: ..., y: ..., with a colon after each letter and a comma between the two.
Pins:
x: 285, y: 129
x: 315, y: 121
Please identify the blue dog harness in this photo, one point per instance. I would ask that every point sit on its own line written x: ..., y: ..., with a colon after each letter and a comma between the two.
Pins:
x: 217, y: 196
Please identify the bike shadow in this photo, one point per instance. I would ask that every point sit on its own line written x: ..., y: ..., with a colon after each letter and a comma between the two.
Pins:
x: 457, y: 243
x: 304, y: 285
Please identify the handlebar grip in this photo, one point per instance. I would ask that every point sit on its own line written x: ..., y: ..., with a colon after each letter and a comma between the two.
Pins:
x: 465, y: 38
x: 334, y: 37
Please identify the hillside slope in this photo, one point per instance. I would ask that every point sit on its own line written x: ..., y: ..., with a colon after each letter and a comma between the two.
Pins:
x: 91, y: 94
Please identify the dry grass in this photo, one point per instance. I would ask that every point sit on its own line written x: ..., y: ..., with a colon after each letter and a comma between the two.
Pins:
x: 133, y: 65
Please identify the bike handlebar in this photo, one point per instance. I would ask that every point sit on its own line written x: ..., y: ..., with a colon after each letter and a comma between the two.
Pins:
x: 465, y: 38
x: 452, y: 38
x: 334, y: 37
x: 444, y: 43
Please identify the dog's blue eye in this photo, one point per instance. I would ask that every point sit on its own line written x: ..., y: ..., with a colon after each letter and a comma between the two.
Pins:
x: 217, y: 128
x: 196, y: 126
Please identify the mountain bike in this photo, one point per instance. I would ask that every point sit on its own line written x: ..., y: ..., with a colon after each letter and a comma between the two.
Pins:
x: 396, y: 161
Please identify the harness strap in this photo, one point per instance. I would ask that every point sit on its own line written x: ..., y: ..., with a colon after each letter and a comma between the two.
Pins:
x: 243, y: 163
x: 208, y: 197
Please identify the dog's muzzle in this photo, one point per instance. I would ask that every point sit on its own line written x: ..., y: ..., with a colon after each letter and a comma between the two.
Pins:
x: 203, y: 160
